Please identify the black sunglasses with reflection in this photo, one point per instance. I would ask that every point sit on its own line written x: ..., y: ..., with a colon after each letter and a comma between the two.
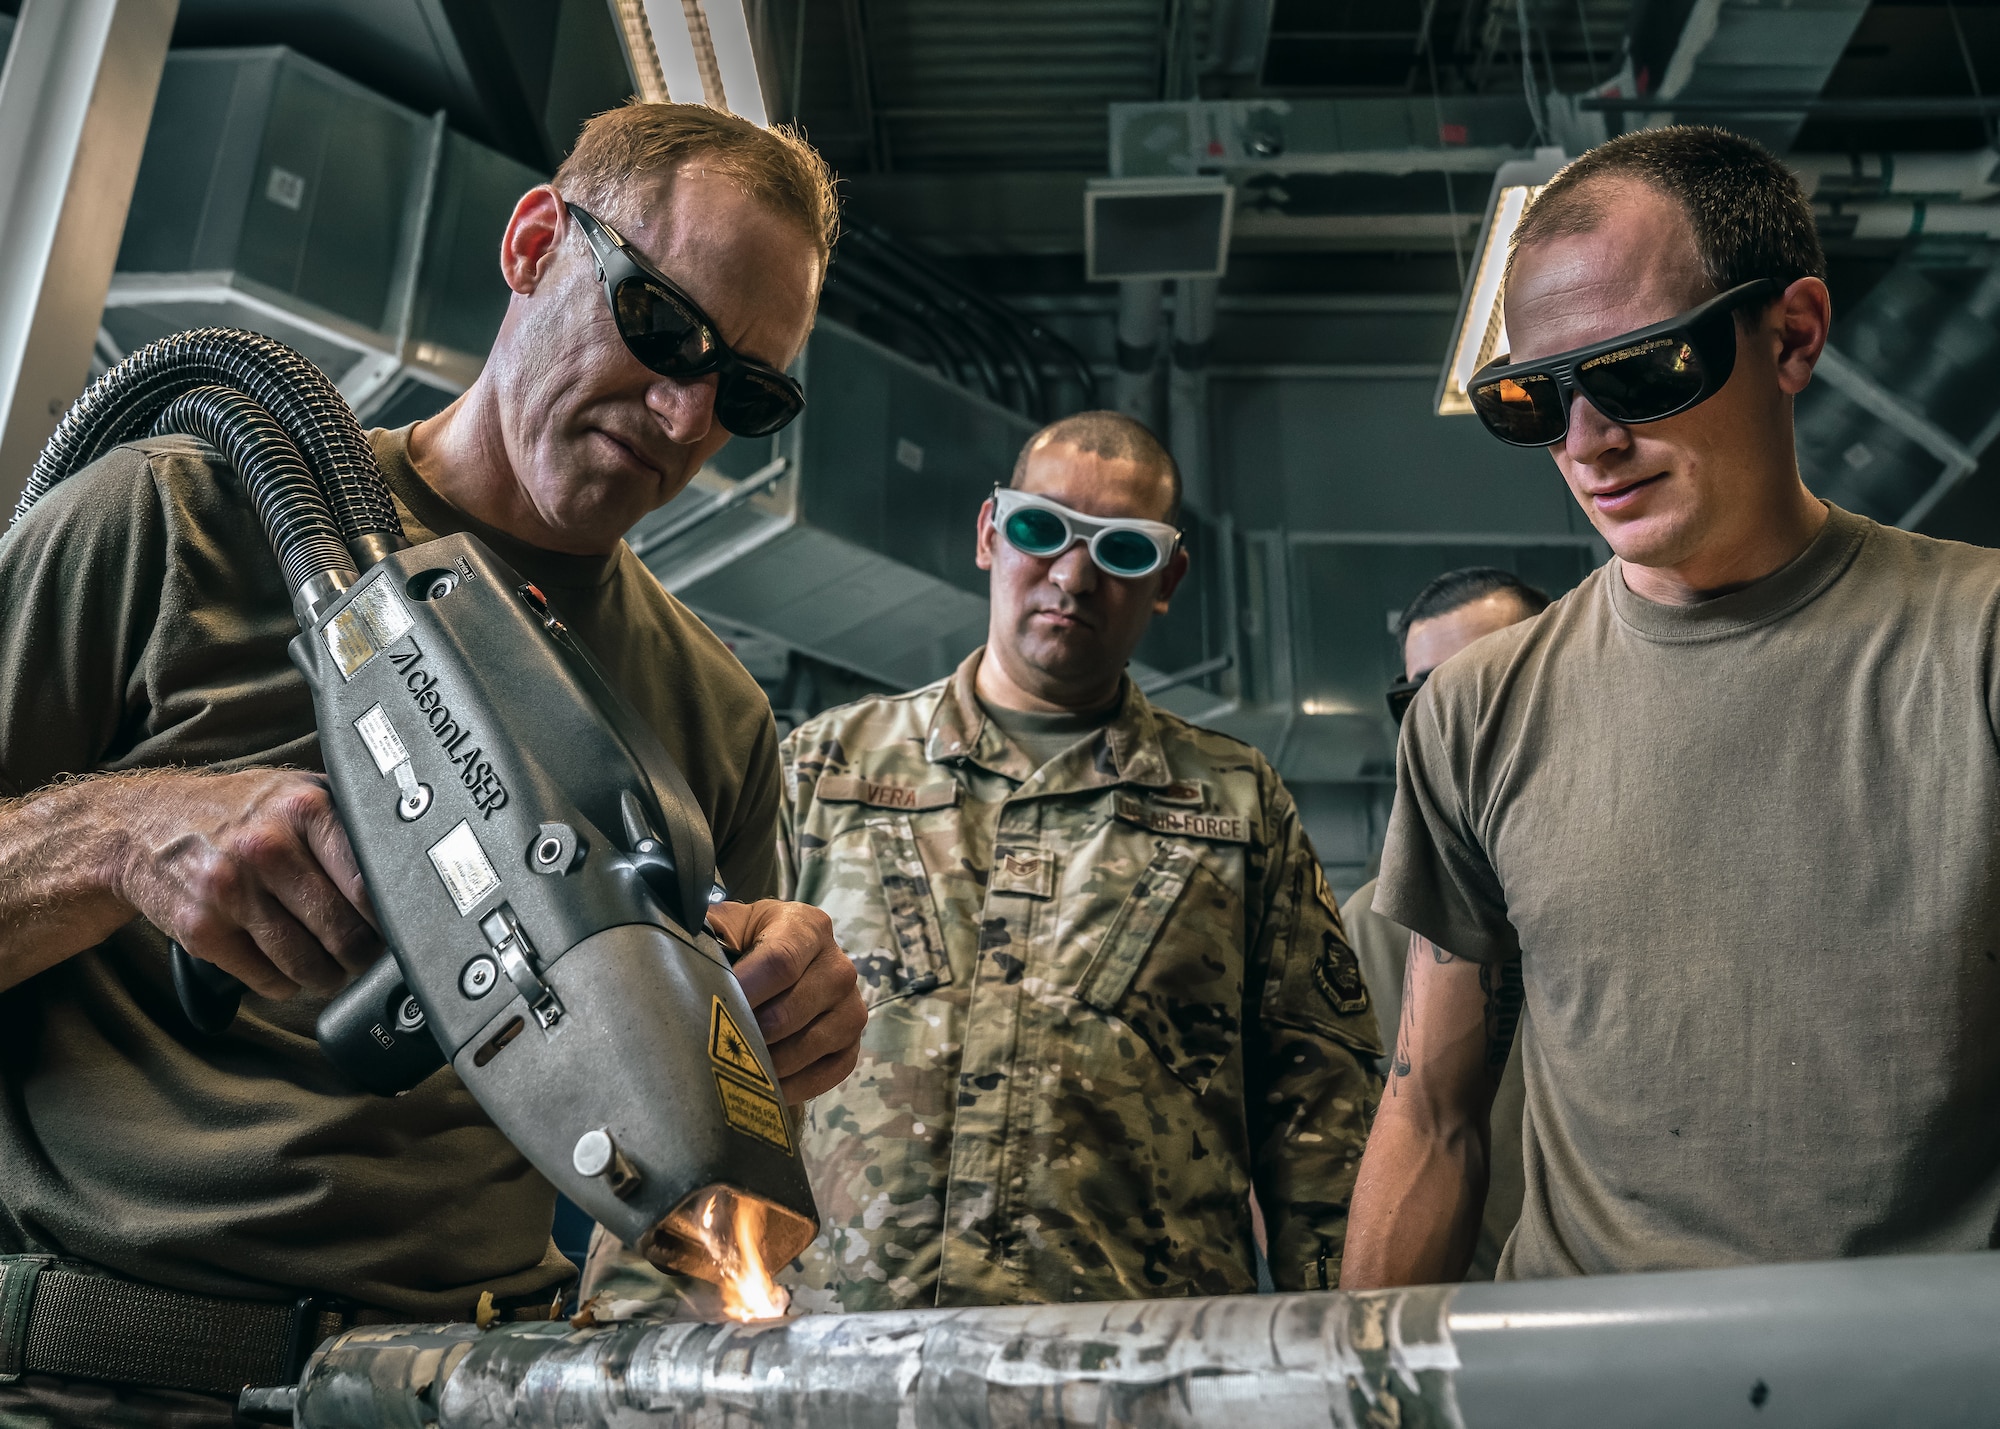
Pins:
x: 1403, y: 694
x: 667, y: 331
x: 1641, y: 376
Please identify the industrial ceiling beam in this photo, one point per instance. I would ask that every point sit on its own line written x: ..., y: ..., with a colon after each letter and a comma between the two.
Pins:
x: 862, y: 77
x: 511, y: 100
x: 76, y: 99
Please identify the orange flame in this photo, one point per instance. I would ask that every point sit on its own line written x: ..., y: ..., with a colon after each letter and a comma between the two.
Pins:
x: 748, y: 1290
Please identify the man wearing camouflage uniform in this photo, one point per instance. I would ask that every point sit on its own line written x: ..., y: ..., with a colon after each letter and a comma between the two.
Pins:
x: 1110, y: 994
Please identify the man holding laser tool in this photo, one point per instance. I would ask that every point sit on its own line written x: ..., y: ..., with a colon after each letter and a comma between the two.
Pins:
x: 1110, y: 993
x: 1725, y: 814
x: 153, y: 743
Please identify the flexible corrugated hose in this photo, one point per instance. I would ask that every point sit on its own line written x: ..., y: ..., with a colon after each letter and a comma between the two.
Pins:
x: 289, y: 502
x: 295, y: 445
x: 126, y: 403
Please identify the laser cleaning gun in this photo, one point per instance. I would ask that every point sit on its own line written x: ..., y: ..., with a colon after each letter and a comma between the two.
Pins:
x: 539, y: 865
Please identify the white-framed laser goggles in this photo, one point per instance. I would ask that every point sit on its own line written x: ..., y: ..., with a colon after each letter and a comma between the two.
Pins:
x: 1121, y: 546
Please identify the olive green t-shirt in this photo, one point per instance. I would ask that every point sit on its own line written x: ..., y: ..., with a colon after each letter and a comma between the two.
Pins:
x: 146, y: 625
x: 1043, y: 736
x: 1748, y: 853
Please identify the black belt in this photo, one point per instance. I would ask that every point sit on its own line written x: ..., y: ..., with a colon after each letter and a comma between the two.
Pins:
x: 61, y: 1317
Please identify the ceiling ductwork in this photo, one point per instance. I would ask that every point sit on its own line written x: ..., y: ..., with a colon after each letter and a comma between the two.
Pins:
x: 1759, y: 54
x: 278, y: 196
x: 1359, y: 173
x: 1900, y: 412
x: 1898, y: 196
x: 849, y: 535
x: 908, y: 301
x: 1333, y: 172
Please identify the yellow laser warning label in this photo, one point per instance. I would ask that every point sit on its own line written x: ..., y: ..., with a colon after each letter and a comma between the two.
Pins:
x: 754, y: 1113
x: 730, y: 1050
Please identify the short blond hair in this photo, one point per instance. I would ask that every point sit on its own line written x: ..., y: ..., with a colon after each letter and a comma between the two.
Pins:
x: 774, y: 166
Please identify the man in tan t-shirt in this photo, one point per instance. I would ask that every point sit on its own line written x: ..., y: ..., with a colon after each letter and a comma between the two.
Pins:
x: 1724, y: 815
x: 1447, y: 615
x: 146, y: 639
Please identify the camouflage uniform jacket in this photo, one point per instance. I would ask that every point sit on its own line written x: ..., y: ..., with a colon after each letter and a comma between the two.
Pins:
x: 1107, y: 998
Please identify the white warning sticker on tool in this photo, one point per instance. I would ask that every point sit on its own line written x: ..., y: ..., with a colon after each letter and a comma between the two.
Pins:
x: 463, y: 866
x: 371, y: 622
x: 384, y: 744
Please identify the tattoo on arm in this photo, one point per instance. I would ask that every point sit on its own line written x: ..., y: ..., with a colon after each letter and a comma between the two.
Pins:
x: 1399, y: 1063
x: 1399, y: 1066
x: 1501, y: 983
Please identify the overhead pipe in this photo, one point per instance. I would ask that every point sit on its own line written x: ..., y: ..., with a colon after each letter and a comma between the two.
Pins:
x: 1187, y: 387
x: 1837, y: 1345
x: 1015, y: 321
x: 1908, y: 218
x: 1969, y: 177
x: 922, y: 334
x: 1136, y: 387
x: 1009, y: 351
x: 963, y: 343
x: 76, y: 98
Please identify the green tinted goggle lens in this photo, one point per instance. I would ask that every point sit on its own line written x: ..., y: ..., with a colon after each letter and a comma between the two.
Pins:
x: 1125, y: 553
x: 1037, y: 532
x: 1116, y: 550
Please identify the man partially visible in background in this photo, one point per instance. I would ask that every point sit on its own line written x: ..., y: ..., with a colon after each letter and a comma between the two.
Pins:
x: 1453, y: 611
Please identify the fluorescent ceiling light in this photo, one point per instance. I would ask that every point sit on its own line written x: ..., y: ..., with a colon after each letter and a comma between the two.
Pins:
x: 640, y: 56
x: 729, y: 31
x: 1480, y: 334
x: 692, y: 52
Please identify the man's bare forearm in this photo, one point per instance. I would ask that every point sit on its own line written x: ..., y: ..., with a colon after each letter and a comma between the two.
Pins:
x: 60, y: 850
x: 1422, y: 1185
x: 1417, y: 1203
x: 251, y: 870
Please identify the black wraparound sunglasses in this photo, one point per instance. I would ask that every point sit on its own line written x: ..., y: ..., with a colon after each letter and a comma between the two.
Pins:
x: 667, y: 331
x: 1640, y: 376
x: 1403, y: 694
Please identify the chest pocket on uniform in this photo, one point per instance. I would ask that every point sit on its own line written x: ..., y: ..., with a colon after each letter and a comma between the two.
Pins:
x: 904, y: 954
x: 920, y: 963
x: 1184, y: 995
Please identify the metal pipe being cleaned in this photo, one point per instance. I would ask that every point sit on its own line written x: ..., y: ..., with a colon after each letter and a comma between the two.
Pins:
x: 1910, y: 1340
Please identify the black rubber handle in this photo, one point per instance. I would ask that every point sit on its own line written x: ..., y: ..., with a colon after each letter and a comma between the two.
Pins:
x: 209, y: 996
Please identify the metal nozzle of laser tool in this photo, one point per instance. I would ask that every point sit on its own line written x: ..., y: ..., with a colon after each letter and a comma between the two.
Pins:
x: 541, y: 870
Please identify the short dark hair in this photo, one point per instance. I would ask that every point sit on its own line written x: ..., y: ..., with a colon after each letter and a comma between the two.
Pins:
x: 1750, y: 217
x: 1108, y: 434
x: 1462, y: 587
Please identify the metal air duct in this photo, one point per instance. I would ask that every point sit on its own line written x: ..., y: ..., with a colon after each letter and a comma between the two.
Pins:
x: 849, y: 535
x: 1754, y: 52
x: 279, y: 196
x: 1906, y: 403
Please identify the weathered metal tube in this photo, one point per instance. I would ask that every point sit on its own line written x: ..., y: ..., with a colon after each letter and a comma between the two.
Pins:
x: 1911, y: 1340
